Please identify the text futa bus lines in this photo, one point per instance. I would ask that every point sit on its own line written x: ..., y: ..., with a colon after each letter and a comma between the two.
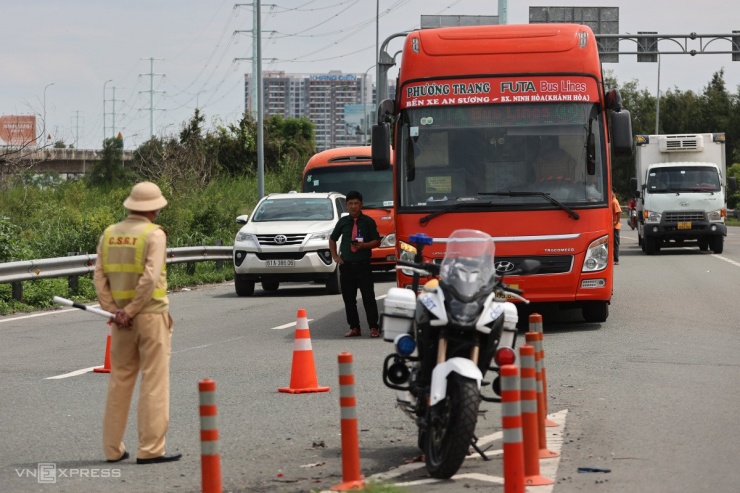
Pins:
x: 505, y: 129
x: 350, y: 168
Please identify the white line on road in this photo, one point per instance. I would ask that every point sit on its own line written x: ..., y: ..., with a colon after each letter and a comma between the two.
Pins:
x: 43, y: 314
x: 292, y: 324
x: 736, y: 264
x: 72, y: 373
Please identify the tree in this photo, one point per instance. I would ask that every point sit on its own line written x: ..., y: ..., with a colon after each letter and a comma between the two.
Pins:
x: 110, y: 169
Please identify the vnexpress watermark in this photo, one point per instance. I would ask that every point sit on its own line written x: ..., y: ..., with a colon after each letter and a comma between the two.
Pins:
x: 48, y: 472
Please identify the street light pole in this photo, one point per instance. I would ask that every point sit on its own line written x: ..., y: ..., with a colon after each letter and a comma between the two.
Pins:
x: 44, y: 125
x: 106, y: 83
x: 364, y: 94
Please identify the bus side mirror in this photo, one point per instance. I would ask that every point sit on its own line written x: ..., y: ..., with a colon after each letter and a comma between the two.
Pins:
x: 614, y: 101
x: 386, y: 110
x: 621, y: 133
x: 380, y: 147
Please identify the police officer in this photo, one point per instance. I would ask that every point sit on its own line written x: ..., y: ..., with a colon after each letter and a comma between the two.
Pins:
x: 131, y: 283
x: 359, y: 235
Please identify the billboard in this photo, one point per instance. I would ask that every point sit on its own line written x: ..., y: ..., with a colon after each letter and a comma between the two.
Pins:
x: 17, y: 130
x: 359, y: 122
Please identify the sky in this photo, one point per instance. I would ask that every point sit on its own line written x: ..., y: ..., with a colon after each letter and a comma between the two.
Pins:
x: 64, y: 59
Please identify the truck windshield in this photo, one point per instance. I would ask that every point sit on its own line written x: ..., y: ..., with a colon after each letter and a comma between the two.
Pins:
x: 484, y: 153
x: 376, y: 186
x: 683, y: 179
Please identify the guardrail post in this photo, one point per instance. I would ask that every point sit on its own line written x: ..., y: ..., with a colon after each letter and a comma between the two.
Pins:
x: 73, y: 284
x: 17, y: 290
x: 219, y: 263
x: 190, y: 268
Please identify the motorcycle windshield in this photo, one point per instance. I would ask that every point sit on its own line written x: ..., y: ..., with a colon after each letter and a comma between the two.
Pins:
x: 468, y: 266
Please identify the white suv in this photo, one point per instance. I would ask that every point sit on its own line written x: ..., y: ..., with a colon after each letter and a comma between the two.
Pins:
x: 287, y: 239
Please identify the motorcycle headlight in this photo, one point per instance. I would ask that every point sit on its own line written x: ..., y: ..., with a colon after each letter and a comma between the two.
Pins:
x: 464, y: 313
x: 388, y: 241
x: 652, y: 216
x: 246, y: 239
x: 715, y: 215
x: 597, y: 255
x: 320, y: 236
x: 408, y: 252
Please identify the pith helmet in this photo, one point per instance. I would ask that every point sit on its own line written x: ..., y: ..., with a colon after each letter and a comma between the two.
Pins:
x: 145, y: 196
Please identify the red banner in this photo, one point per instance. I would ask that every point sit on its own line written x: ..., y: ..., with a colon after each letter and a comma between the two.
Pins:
x: 17, y: 130
x: 498, y: 90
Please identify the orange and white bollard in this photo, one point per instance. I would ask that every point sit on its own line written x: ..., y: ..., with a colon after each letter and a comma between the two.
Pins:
x: 545, y: 453
x: 106, y: 359
x: 351, y: 477
x: 535, y: 324
x: 511, y: 422
x: 530, y: 427
x: 210, y: 459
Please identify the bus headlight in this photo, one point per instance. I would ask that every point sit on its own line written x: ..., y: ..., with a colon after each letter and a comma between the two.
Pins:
x: 388, y: 241
x: 597, y: 255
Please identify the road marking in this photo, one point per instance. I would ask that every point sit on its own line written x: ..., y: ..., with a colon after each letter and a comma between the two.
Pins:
x: 548, y: 467
x: 44, y: 314
x: 72, y: 373
x: 291, y: 324
x: 736, y: 264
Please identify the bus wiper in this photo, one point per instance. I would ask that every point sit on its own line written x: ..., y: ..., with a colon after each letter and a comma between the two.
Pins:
x: 459, y: 205
x: 546, y: 196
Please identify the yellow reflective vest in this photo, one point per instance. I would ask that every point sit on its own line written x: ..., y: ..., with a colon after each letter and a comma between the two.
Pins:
x: 124, y: 249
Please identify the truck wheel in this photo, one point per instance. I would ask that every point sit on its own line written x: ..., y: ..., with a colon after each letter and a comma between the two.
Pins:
x: 651, y: 246
x: 242, y: 286
x: 703, y: 244
x: 718, y: 244
x: 595, y: 311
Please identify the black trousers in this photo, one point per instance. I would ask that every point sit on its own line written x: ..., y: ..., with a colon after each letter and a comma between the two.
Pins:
x: 616, y: 245
x: 352, y: 277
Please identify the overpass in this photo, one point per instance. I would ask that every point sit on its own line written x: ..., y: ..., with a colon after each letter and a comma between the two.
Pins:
x: 66, y: 162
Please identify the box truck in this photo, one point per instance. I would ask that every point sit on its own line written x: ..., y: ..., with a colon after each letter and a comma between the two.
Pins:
x: 681, y: 189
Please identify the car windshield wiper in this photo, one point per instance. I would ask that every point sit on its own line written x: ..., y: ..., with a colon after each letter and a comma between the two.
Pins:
x: 459, y: 205
x: 546, y: 196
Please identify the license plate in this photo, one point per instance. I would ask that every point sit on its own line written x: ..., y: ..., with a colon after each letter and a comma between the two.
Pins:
x: 684, y: 225
x: 508, y: 296
x: 281, y: 263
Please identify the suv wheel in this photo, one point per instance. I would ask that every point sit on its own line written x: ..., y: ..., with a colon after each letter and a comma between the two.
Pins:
x: 333, y: 284
x: 243, y: 287
x: 270, y: 286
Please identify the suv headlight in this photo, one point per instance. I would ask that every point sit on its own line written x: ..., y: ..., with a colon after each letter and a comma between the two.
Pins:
x: 715, y: 216
x: 408, y: 252
x: 320, y: 236
x: 388, y: 241
x: 247, y: 239
x: 597, y: 255
x: 652, y: 216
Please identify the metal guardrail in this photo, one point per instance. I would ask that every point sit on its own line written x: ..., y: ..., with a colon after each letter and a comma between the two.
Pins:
x: 78, y: 265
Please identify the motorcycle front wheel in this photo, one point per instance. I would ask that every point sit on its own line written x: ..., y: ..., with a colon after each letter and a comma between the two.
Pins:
x: 451, y: 427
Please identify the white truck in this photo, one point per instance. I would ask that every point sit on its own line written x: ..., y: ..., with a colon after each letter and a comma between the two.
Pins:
x: 681, y: 191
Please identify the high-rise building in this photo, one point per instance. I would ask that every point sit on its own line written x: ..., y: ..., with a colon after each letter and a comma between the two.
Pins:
x: 333, y: 102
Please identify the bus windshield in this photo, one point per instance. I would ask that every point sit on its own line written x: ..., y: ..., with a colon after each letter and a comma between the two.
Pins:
x: 496, y: 153
x: 376, y: 186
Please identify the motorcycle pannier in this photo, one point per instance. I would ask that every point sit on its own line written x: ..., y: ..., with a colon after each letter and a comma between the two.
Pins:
x: 398, y: 313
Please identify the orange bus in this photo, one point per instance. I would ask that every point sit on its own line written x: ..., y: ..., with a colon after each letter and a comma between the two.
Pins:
x: 509, y: 129
x: 350, y: 168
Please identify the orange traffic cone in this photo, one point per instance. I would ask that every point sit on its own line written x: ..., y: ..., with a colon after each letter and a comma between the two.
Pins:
x: 106, y: 360
x: 303, y: 374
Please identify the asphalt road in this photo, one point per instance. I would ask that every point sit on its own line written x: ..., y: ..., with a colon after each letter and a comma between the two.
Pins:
x: 650, y: 394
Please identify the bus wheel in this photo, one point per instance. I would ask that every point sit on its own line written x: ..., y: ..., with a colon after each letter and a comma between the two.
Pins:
x: 595, y: 311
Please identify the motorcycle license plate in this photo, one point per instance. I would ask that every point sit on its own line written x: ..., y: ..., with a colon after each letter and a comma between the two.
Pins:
x: 281, y: 263
x: 684, y: 225
x: 508, y: 296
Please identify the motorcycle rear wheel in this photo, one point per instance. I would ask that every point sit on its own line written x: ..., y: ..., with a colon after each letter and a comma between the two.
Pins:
x: 452, y: 427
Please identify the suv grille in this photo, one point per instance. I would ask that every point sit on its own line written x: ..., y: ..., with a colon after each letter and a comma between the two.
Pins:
x: 274, y: 240
x: 673, y: 217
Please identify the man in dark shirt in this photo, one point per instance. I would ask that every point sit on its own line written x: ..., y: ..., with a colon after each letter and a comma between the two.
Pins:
x: 359, y: 236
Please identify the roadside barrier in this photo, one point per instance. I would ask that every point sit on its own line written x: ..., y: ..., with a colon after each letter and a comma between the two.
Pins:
x: 535, y: 324
x: 106, y: 359
x: 210, y: 459
x: 532, y: 338
x: 303, y: 373
x: 351, y: 477
x: 530, y: 428
x: 511, y: 422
